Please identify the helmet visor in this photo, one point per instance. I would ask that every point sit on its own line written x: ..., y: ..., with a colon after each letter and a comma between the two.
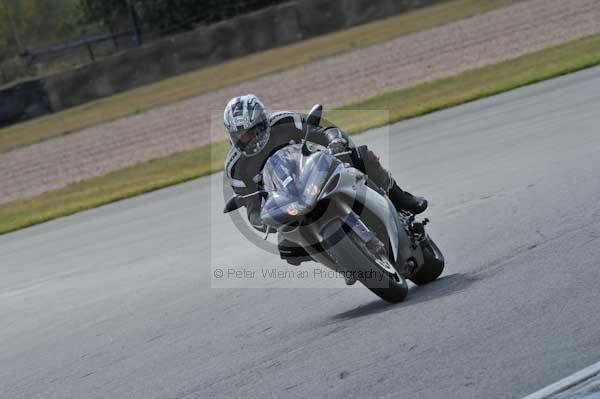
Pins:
x: 249, y: 140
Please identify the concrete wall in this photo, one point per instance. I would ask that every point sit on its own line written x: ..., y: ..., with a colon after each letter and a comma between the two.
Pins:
x: 272, y: 27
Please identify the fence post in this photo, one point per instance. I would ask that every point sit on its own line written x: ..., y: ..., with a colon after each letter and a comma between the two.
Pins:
x: 114, y: 39
x: 89, y: 47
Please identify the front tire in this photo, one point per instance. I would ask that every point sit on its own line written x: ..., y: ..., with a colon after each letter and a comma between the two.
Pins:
x: 351, y: 252
x: 392, y: 288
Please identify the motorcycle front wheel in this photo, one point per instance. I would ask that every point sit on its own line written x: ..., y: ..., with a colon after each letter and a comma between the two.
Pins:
x: 368, y: 267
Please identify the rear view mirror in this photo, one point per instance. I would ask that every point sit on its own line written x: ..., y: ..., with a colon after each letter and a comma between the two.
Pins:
x: 234, y: 203
x: 314, y: 116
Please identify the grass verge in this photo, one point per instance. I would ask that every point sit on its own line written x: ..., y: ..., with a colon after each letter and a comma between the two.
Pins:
x: 402, y: 104
x: 242, y: 69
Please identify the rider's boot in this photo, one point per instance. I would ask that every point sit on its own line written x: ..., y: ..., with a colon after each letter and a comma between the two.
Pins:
x: 405, y: 201
x: 366, y: 161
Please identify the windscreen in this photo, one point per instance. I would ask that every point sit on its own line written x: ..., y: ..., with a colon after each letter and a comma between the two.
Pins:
x: 297, y: 176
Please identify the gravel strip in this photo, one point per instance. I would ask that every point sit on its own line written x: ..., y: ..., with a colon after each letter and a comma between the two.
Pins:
x: 440, y: 52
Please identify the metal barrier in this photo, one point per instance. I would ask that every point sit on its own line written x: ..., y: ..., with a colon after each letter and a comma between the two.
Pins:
x: 32, y: 55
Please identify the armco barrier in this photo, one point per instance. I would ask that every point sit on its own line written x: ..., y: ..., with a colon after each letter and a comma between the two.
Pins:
x: 271, y: 27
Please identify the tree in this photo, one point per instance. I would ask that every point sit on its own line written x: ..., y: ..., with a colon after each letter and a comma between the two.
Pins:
x: 103, y: 11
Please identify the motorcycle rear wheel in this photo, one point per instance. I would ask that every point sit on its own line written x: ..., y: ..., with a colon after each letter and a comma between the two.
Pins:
x: 433, y: 264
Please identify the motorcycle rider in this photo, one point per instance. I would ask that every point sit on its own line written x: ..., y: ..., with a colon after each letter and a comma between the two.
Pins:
x: 255, y: 136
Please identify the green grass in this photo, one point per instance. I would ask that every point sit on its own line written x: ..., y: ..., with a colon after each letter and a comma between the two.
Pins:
x: 398, y: 105
x: 474, y: 84
x: 242, y: 69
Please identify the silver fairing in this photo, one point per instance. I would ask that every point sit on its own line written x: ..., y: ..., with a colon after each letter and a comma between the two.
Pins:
x: 296, y: 182
x: 352, y: 184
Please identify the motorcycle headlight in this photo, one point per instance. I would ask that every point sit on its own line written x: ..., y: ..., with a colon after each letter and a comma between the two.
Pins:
x: 292, y: 210
x: 312, y: 190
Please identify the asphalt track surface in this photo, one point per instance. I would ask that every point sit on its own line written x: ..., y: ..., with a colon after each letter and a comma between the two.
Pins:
x: 117, y: 302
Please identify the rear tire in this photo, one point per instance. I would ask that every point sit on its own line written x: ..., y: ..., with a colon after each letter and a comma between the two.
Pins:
x: 433, y: 264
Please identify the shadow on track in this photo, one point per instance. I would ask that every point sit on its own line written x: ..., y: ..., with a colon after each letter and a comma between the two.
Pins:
x: 444, y: 286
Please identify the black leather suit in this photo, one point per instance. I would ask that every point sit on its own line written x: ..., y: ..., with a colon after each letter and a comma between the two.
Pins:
x: 244, y: 172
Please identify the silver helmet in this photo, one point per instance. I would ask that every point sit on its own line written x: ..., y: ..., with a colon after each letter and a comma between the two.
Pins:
x: 246, y: 121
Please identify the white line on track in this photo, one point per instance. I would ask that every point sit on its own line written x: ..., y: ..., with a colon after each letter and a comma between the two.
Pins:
x: 566, y: 383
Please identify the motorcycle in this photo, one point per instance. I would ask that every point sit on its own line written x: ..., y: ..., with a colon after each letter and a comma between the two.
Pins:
x: 331, y: 210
